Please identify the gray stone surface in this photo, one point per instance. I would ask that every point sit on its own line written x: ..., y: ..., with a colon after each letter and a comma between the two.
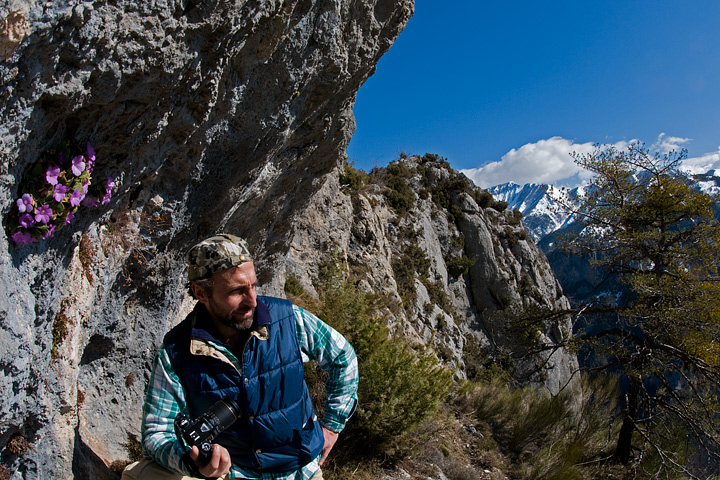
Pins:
x: 213, y: 115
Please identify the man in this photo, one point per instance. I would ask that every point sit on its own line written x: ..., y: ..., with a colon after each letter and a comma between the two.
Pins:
x: 251, y: 349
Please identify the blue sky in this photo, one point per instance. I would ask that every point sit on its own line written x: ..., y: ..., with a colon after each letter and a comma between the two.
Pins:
x: 506, y: 90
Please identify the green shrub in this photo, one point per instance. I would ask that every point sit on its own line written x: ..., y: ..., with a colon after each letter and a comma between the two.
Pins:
x: 293, y: 286
x: 483, y: 198
x: 399, y: 194
x: 352, y: 178
x: 440, y: 297
x: 400, y: 385
x: 456, y: 213
x: 516, y: 218
x: 413, y: 261
x: 435, y: 158
x: 458, y: 241
x: 499, y: 205
x: 459, y: 266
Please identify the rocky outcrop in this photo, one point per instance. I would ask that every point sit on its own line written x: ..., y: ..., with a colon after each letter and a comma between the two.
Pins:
x: 456, y: 268
x: 213, y: 115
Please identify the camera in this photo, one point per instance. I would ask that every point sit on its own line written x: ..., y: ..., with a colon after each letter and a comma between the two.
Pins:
x: 203, y: 430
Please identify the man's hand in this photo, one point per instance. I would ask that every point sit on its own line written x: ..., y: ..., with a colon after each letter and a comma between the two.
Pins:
x: 218, y: 465
x: 330, y: 439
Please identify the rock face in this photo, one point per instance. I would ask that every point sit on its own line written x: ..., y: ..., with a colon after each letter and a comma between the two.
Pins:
x: 218, y: 116
x: 212, y: 116
x: 455, y: 272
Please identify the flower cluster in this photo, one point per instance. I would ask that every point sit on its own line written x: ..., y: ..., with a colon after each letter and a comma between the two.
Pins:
x: 52, y: 190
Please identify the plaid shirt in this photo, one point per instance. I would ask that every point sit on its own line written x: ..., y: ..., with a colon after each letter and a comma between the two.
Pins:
x: 318, y: 341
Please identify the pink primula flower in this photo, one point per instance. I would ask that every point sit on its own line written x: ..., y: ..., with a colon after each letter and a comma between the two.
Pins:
x: 91, y: 157
x: 50, y: 232
x: 25, y: 203
x: 76, y: 197
x: 22, y: 237
x: 90, y: 152
x: 60, y: 192
x: 43, y: 214
x: 78, y: 165
x: 51, y: 175
x: 26, y: 220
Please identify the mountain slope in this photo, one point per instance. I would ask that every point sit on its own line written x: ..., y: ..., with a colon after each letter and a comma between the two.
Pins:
x: 540, y: 216
x: 455, y: 264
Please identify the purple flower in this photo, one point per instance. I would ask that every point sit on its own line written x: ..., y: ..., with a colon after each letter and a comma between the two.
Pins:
x: 109, y: 184
x: 21, y: 238
x: 61, y: 159
x: 60, y: 192
x: 25, y: 203
x: 69, y: 217
x: 26, y: 220
x: 78, y: 165
x: 50, y: 232
x: 51, y: 175
x: 76, y: 197
x: 90, y: 201
x: 42, y: 214
x: 90, y: 152
x: 91, y: 157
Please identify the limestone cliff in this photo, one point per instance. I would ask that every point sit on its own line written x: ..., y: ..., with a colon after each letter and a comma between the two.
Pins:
x: 217, y: 115
x: 210, y: 115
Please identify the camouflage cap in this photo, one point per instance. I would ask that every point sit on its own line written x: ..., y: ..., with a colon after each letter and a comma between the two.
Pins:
x: 216, y: 253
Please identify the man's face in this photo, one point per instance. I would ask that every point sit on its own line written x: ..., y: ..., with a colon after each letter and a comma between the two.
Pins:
x: 233, y: 298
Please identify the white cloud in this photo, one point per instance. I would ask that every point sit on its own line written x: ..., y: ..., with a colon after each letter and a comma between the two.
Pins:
x: 703, y: 163
x: 546, y: 161
x: 696, y: 165
x: 665, y: 144
x: 550, y: 162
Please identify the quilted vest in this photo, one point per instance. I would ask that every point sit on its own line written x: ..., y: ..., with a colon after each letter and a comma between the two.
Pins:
x: 278, y: 431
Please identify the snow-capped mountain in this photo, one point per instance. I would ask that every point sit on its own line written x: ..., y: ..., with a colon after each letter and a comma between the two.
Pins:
x: 709, y: 183
x: 540, y: 214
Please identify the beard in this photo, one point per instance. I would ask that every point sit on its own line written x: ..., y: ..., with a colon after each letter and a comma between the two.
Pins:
x: 232, y: 318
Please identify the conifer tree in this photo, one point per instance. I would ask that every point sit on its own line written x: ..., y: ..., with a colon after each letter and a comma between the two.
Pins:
x: 645, y: 223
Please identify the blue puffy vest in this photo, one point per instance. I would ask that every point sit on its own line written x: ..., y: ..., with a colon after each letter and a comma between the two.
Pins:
x: 278, y: 430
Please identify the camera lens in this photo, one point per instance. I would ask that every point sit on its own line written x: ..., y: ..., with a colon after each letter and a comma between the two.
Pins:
x: 223, y: 414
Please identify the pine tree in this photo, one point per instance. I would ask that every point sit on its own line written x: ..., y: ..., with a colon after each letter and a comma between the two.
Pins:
x: 646, y: 224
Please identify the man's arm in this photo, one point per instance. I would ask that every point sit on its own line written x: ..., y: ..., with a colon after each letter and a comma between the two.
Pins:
x: 334, y: 354
x: 165, y: 398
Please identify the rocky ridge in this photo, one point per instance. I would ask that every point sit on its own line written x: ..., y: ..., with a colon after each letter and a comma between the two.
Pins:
x: 472, y: 263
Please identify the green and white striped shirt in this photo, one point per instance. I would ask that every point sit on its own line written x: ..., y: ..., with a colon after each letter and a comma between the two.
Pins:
x: 318, y: 341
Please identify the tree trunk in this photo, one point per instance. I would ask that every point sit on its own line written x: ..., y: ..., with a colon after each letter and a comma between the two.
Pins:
x: 624, y: 442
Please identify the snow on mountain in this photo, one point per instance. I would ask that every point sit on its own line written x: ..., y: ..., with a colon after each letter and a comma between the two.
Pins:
x: 540, y: 213
x: 709, y: 183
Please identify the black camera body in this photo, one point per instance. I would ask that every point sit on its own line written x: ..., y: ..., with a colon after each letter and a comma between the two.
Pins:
x: 203, y: 430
